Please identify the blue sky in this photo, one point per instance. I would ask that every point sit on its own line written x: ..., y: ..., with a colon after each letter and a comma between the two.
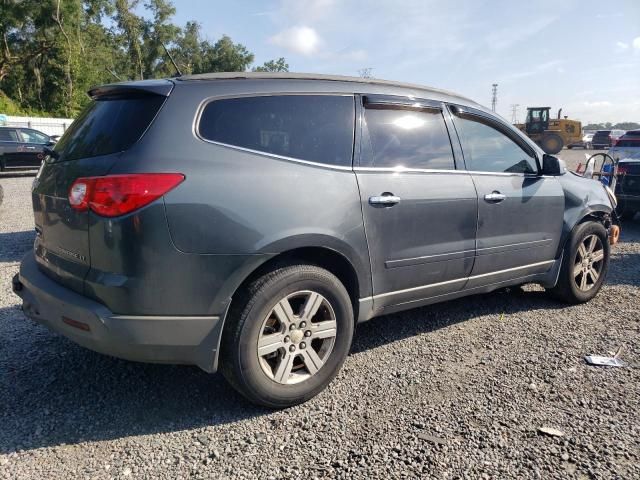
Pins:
x: 583, y: 56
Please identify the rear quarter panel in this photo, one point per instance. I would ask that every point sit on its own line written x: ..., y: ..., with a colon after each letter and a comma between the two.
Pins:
x: 234, y: 202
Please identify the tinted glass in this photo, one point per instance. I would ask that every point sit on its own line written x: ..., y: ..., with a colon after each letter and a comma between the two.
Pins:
x: 317, y: 128
x: 31, y: 136
x: 7, y: 135
x: 489, y: 150
x: 406, y: 138
x: 108, y: 126
x: 628, y: 142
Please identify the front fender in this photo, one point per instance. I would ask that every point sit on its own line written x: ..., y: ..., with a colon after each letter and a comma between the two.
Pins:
x: 584, y: 198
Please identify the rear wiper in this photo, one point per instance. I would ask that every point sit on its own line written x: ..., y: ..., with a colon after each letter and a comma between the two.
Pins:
x: 51, y: 152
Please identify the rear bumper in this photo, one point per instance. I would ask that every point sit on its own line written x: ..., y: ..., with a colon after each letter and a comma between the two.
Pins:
x: 189, y: 340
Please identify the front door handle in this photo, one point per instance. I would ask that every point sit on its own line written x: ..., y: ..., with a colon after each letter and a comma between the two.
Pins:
x: 495, y: 197
x: 386, y: 199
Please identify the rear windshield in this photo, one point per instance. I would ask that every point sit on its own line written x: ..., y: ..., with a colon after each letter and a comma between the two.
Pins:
x: 107, y: 126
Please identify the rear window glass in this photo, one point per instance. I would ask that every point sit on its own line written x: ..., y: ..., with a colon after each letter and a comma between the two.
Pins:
x: 317, y: 128
x: 108, y: 126
x: 8, y: 135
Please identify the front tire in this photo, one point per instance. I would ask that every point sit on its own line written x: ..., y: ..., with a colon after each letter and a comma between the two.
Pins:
x: 287, y: 336
x: 584, y: 264
x: 552, y: 143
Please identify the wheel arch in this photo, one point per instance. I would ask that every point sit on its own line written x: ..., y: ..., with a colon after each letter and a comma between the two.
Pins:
x: 337, y: 262
x: 602, y: 216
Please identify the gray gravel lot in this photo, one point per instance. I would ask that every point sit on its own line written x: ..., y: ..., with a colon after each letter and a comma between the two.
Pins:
x: 456, y: 390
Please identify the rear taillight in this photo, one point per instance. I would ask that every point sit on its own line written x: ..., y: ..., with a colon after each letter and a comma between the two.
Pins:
x: 115, y: 195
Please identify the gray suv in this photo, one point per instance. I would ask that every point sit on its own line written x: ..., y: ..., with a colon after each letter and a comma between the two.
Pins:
x: 247, y: 222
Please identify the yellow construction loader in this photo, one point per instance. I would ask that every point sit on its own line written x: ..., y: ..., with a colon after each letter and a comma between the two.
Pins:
x: 550, y: 133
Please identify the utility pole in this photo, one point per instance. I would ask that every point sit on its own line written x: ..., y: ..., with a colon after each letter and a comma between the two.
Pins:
x: 514, y: 112
x: 494, y: 96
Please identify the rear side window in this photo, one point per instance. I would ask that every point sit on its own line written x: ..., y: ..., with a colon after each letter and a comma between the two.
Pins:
x: 7, y: 135
x: 316, y: 128
x: 487, y: 149
x: 31, y: 136
x: 108, y: 126
x: 396, y: 137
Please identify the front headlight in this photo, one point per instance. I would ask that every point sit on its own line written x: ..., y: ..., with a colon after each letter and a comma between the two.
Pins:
x: 612, y: 196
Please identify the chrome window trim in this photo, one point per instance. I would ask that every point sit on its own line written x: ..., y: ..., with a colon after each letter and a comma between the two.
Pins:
x: 406, y: 170
x: 442, y: 171
x: 203, y: 104
x: 462, y: 279
x: 280, y: 157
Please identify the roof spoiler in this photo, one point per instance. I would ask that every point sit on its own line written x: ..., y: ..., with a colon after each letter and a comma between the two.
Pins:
x: 129, y: 89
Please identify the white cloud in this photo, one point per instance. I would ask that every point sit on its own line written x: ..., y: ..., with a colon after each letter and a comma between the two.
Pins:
x: 505, y: 37
x: 622, y: 45
x: 536, y: 70
x: 302, y: 39
x: 636, y: 43
x: 597, y: 104
x: 308, y: 11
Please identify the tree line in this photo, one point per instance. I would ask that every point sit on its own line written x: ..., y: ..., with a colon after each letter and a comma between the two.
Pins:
x: 53, y: 51
x: 612, y: 126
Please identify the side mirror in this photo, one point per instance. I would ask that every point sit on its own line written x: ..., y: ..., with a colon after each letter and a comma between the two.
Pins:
x: 551, y: 165
x: 51, y: 142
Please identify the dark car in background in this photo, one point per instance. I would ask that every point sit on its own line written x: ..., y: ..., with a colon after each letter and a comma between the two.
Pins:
x: 246, y: 222
x: 22, y: 147
x: 626, y: 152
x: 601, y: 140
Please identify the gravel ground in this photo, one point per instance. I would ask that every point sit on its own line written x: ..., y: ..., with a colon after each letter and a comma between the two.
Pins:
x: 456, y: 390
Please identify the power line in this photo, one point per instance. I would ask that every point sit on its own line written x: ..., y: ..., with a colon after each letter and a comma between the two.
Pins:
x: 494, y: 96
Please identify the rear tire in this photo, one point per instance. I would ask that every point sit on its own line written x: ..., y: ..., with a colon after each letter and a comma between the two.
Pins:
x: 584, y: 264
x: 552, y: 143
x: 287, y: 336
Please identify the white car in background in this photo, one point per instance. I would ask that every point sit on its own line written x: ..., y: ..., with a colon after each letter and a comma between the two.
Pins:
x: 585, y: 142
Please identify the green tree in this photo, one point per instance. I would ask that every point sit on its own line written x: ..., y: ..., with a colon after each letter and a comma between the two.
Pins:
x: 279, y: 65
x: 53, y: 51
x: 158, y: 32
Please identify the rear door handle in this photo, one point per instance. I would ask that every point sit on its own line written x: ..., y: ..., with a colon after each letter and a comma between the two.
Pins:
x: 386, y: 199
x: 495, y: 197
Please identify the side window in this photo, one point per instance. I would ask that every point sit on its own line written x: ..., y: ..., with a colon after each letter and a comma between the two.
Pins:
x: 31, y: 136
x: 7, y: 135
x: 317, y: 128
x: 395, y: 137
x: 489, y: 150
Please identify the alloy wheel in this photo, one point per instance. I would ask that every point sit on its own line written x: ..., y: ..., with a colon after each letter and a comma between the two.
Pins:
x: 297, y: 337
x: 588, y: 263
